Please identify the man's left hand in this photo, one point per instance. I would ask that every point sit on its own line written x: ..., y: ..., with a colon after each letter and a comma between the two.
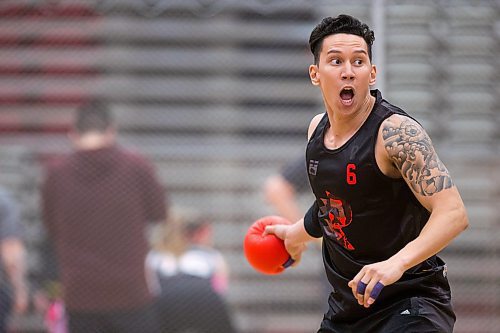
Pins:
x: 371, y: 279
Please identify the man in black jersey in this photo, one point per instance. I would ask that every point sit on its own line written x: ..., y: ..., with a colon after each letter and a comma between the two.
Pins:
x: 385, y: 203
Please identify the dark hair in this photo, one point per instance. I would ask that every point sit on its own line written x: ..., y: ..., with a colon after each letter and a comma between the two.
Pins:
x: 342, y: 24
x: 93, y: 116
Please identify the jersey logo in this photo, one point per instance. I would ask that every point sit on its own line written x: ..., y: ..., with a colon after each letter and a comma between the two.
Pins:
x: 313, y: 167
x: 336, y: 214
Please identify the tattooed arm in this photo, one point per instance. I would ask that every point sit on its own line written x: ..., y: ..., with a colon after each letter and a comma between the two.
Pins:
x: 409, y: 150
x: 405, y: 145
x: 404, y: 150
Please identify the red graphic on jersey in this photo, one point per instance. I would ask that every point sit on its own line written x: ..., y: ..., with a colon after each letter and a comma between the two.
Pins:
x: 337, y: 214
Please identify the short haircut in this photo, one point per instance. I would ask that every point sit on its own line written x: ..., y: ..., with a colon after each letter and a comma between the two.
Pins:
x: 94, y: 116
x: 342, y: 24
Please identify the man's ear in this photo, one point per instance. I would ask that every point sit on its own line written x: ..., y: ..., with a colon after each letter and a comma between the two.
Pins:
x: 314, y: 74
x: 373, y: 75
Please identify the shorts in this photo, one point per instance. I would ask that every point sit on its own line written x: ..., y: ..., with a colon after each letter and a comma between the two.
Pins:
x: 412, y: 315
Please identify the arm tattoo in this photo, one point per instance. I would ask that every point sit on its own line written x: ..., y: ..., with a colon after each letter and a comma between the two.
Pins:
x: 411, y: 149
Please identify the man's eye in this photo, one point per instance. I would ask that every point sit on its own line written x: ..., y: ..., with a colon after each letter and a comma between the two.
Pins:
x: 358, y: 62
x: 335, y: 61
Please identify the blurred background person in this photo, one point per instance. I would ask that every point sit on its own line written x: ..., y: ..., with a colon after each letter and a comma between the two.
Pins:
x: 193, y: 276
x: 13, y: 286
x: 282, y: 189
x: 97, y: 202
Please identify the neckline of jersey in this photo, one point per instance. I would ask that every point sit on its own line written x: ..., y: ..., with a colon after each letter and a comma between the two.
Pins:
x: 378, y: 99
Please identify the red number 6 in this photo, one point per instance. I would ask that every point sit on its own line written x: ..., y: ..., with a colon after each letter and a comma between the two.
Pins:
x: 351, y: 176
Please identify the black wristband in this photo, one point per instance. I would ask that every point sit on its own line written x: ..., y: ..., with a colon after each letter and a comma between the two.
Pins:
x: 311, y: 221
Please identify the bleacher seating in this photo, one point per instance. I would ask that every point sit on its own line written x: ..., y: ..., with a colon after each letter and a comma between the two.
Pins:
x: 217, y: 94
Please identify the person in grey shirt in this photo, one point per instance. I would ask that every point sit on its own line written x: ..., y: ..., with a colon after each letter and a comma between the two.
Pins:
x: 13, y: 287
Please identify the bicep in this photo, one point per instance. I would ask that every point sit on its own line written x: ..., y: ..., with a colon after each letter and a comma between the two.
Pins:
x: 410, y: 149
x: 12, y: 251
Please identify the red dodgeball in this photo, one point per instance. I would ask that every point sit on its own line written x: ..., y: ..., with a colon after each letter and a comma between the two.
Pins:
x: 266, y: 254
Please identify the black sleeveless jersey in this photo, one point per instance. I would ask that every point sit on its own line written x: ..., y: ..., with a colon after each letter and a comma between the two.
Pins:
x: 366, y: 217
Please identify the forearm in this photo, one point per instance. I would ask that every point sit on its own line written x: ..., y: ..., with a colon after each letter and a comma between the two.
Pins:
x: 298, y: 234
x: 14, y: 260
x: 442, y: 227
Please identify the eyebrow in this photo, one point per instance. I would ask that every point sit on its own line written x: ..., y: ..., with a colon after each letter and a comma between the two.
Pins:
x: 362, y: 51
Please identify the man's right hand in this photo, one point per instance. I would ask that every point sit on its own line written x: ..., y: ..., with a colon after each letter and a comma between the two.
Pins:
x: 287, y: 233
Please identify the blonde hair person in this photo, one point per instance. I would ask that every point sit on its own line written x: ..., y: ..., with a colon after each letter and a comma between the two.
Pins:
x: 184, y: 245
x: 193, y: 276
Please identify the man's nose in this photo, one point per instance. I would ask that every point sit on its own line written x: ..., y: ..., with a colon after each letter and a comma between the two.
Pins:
x: 347, y: 73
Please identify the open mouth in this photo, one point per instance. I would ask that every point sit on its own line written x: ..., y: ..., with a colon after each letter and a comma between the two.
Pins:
x: 346, y: 96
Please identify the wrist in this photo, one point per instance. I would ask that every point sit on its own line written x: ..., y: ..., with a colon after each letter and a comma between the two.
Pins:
x: 402, y: 262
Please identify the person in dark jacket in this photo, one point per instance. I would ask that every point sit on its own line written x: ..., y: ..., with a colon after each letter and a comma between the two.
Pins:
x: 97, y: 202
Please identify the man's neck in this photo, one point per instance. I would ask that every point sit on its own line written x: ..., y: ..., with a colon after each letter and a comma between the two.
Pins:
x: 93, y: 141
x: 343, y: 128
